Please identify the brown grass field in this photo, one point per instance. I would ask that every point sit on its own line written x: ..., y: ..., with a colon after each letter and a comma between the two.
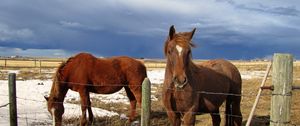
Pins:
x: 31, y: 70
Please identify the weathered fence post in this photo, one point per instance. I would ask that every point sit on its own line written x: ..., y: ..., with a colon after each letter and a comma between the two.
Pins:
x: 34, y: 63
x: 12, y: 99
x: 282, y: 79
x: 40, y: 66
x: 146, y: 102
x: 5, y: 63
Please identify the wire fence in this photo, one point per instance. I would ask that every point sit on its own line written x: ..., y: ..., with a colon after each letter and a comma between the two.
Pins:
x: 248, y: 95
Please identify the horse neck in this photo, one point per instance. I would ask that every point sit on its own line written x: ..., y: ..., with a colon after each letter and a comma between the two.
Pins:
x: 191, y: 67
x: 57, y: 91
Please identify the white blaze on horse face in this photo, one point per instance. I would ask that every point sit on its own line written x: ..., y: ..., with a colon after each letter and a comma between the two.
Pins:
x: 53, y: 116
x: 179, y: 49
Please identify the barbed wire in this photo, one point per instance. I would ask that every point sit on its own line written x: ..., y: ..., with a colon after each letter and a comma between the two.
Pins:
x: 1, y: 106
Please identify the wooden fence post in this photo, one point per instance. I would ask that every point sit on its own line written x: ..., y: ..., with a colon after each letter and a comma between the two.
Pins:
x: 12, y: 99
x: 5, y: 63
x: 282, y: 79
x: 34, y: 63
x: 40, y: 66
x: 146, y: 102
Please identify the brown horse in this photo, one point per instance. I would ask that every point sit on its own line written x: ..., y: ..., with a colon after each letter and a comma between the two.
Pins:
x: 85, y: 73
x: 191, y: 89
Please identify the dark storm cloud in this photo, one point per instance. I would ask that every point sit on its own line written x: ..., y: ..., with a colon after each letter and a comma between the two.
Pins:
x: 139, y: 28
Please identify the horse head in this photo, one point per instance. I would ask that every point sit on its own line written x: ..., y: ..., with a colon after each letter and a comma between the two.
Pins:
x: 56, y: 109
x: 178, y: 53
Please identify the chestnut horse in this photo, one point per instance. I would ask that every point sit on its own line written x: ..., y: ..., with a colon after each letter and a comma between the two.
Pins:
x: 85, y: 73
x: 191, y: 89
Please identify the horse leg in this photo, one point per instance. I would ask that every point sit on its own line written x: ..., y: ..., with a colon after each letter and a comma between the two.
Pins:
x: 189, y: 119
x: 216, y: 118
x: 84, y: 106
x: 89, y: 107
x: 174, y: 118
x: 228, y: 111
x: 132, y: 100
x: 236, y: 118
x: 57, y: 120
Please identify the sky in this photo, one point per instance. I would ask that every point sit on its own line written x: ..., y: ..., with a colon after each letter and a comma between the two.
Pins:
x: 228, y: 29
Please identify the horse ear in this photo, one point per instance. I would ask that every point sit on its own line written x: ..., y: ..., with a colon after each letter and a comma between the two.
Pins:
x: 171, y: 32
x: 46, y: 97
x: 192, y: 33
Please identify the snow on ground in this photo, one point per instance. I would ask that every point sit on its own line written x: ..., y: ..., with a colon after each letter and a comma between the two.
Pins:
x: 32, y: 108
x: 156, y: 76
x: 252, y: 74
x: 32, y: 105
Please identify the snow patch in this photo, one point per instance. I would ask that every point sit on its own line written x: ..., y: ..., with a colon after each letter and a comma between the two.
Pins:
x: 156, y: 76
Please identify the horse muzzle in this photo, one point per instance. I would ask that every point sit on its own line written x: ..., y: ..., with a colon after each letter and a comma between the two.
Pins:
x: 180, y: 84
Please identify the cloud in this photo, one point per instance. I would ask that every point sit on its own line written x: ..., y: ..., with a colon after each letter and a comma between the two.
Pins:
x: 79, y: 26
x: 278, y: 8
x: 7, y: 33
x: 70, y: 24
x: 6, y: 51
x: 139, y: 28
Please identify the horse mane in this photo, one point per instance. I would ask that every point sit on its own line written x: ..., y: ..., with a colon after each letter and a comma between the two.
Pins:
x: 181, y: 40
x: 58, y: 78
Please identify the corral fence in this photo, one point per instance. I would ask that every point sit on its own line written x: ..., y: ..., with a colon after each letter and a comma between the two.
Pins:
x: 149, y: 63
x: 282, y: 78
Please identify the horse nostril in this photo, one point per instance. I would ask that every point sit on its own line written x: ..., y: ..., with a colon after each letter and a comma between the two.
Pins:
x: 185, y: 80
x: 175, y: 79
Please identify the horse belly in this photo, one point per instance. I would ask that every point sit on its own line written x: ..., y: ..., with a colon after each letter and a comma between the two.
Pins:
x: 105, y: 89
x: 209, y: 103
x: 107, y: 83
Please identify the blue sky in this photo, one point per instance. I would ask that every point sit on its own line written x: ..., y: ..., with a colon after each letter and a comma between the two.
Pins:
x: 229, y: 29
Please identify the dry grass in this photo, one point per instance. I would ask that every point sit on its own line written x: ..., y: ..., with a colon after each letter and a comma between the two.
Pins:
x: 159, y: 117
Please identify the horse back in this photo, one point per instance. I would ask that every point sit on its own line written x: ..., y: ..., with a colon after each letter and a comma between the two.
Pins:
x: 131, y: 68
x: 226, y: 69
x: 102, y: 75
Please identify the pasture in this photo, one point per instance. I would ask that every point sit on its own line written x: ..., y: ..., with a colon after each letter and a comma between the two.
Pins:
x: 35, y: 80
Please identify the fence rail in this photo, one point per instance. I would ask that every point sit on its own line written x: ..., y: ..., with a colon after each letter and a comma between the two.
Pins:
x: 149, y: 63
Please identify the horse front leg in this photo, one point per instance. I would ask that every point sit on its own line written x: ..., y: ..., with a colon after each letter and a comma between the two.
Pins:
x: 133, y: 102
x: 57, y: 120
x: 174, y: 118
x: 189, y: 117
x: 84, y: 106
x: 89, y: 107
x: 216, y: 118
